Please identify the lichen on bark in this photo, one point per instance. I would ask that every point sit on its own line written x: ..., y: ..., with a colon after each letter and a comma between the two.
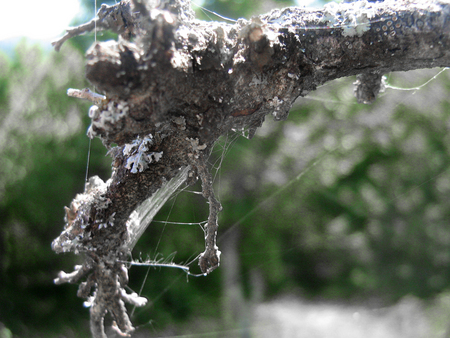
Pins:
x: 173, y: 85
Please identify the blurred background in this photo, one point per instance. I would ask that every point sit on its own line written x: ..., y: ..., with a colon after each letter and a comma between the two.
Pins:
x: 334, y: 223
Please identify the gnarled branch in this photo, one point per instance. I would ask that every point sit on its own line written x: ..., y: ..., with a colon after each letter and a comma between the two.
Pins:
x: 182, y: 83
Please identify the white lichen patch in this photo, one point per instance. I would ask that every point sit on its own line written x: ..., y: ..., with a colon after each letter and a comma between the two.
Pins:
x: 257, y: 81
x: 78, y: 215
x: 199, y: 118
x: 109, y: 222
x: 94, y: 112
x: 94, y: 183
x: 238, y: 58
x: 181, y: 61
x: 180, y: 121
x: 139, y: 156
x: 103, y: 119
x: 275, y: 102
x: 353, y: 18
x: 196, y: 147
x: 95, y: 188
x: 195, y: 144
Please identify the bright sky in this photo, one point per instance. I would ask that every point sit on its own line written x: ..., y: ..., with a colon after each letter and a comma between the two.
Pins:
x: 36, y: 19
x: 45, y: 20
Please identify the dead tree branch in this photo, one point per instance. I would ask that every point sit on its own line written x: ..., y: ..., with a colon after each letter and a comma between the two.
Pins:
x: 118, y: 19
x: 181, y: 83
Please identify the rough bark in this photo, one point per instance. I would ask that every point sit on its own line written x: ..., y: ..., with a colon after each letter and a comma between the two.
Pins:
x: 173, y: 85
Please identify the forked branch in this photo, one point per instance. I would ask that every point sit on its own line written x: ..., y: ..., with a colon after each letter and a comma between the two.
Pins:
x: 180, y: 84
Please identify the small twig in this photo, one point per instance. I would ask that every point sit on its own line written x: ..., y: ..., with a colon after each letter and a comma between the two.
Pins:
x: 133, y: 298
x: 368, y: 86
x: 164, y: 265
x: 79, y: 272
x: 117, y: 18
x: 210, y: 258
x: 75, y: 31
x: 109, y: 297
x: 86, y: 94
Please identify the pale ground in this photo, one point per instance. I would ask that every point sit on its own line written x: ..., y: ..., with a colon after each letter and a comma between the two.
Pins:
x: 290, y: 317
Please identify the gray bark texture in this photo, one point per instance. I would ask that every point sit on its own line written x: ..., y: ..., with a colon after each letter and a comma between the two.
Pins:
x: 173, y: 85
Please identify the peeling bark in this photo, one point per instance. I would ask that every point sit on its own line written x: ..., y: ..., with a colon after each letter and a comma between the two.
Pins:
x: 173, y: 85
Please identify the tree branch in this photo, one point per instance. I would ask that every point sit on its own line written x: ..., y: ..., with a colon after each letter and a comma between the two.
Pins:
x: 117, y: 18
x: 182, y: 83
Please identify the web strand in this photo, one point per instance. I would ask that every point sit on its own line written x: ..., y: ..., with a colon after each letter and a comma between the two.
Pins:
x: 90, y: 141
x: 206, y: 11
x: 421, y: 86
x: 88, y: 160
